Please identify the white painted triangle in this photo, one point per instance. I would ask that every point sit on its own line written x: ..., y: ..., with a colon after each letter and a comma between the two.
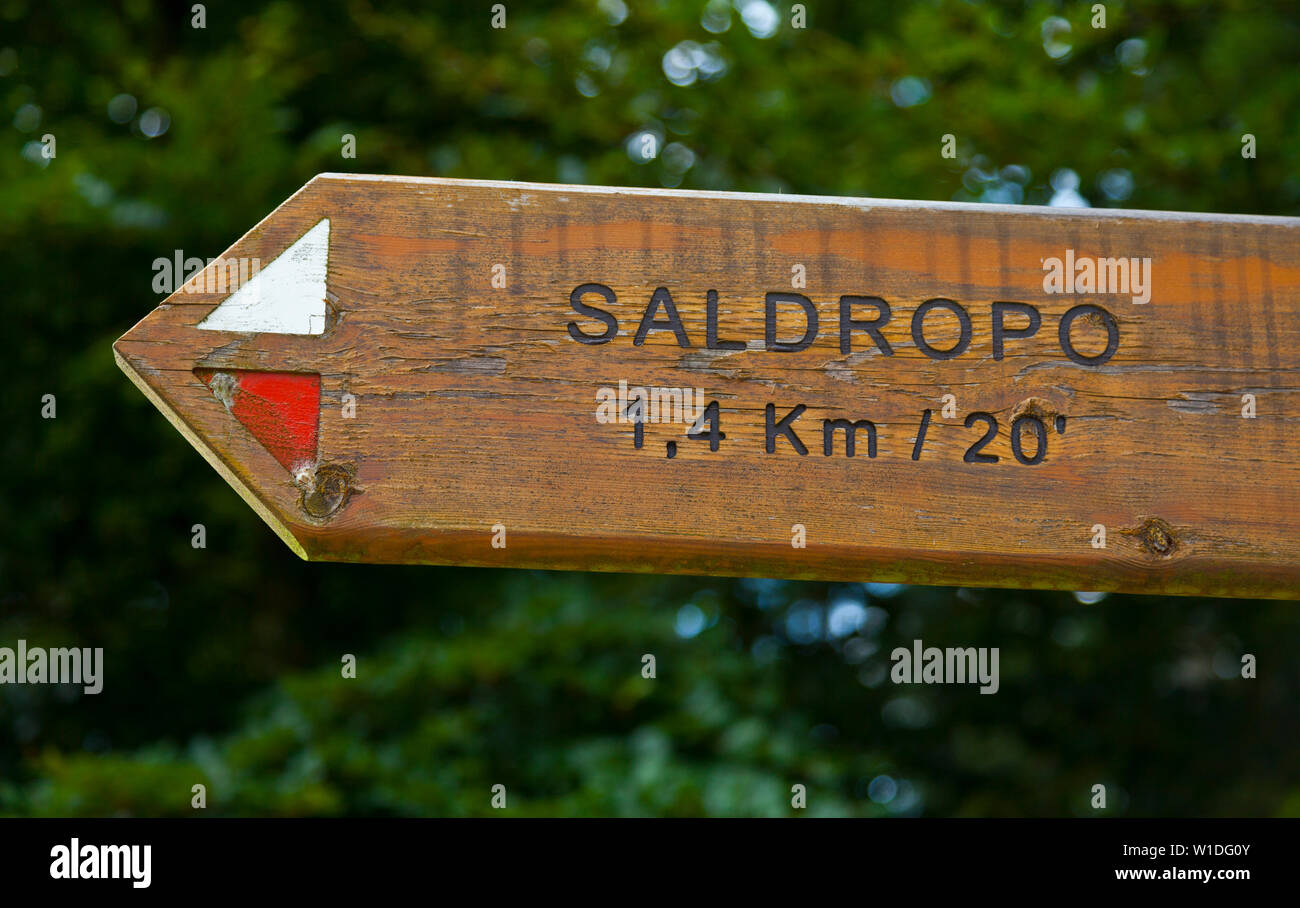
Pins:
x: 285, y: 297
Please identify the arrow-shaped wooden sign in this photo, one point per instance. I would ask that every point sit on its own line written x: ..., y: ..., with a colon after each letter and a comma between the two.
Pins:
x: 440, y: 371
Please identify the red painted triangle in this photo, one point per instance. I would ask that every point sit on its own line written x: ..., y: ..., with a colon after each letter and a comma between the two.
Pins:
x: 281, y: 409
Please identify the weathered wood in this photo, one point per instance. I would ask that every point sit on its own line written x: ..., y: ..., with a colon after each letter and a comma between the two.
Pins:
x: 475, y: 405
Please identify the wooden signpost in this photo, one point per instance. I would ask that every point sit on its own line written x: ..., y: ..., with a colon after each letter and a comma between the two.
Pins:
x: 451, y: 372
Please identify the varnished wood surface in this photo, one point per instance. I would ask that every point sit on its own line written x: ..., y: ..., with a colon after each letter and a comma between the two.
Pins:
x: 475, y: 406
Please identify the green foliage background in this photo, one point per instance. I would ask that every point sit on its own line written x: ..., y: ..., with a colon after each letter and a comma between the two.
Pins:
x: 223, y: 663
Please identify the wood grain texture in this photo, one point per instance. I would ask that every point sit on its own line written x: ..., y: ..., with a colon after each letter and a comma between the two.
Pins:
x: 474, y: 405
